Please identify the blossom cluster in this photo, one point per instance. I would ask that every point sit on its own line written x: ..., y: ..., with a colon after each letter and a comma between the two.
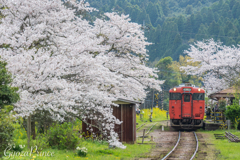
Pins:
x: 70, y: 67
x: 83, y: 149
x: 219, y: 64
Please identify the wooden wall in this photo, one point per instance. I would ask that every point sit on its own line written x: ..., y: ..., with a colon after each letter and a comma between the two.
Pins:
x: 127, y: 130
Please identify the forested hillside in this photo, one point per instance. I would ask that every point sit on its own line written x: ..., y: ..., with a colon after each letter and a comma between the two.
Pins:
x: 171, y: 25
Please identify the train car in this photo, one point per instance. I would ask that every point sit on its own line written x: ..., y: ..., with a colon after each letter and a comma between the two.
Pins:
x: 186, y: 106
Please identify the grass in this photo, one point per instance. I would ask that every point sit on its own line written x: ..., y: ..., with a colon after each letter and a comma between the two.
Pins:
x: 224, y: 148
x: 96, y: 151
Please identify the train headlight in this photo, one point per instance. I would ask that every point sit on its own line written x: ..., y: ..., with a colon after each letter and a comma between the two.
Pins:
x: 199, y: 89
x: 174, y: 89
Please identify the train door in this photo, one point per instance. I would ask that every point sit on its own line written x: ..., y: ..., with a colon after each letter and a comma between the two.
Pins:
x: 186, y: 105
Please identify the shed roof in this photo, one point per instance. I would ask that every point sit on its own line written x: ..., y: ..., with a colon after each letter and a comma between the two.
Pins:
x: 125, y: 101
x: 226, y: 93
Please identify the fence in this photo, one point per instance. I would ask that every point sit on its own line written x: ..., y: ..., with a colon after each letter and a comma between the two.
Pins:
x: 218, y: 117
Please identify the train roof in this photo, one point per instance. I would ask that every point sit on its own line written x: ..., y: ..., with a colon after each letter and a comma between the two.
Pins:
x: 181, y: 89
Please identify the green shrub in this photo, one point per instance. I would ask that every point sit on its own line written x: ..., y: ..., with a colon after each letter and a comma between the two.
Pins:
x: 233, y: 114
x: 222, y: 105
x: 6, y: 128
x: 62, y: 136
x: 17, y: 148
x: 82, y: 152
x: 41, y: 142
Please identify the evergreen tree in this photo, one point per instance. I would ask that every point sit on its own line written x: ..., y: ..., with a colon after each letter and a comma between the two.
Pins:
x: 202, y: 33
x: 177, y: 42
x: 8, y: 94
x: 168, y: 72
x: 232, y: 3
x: 236, y: 10
x: 221, y: 35
x: 198, y: 20
x: 213, y: 30
x: 188, y: 29
x: 153, y: 12
x: 142, y: 16
x: 112, y: 3
x: 158, y: 34
x: 148, y: 21
x: 134, y: 14
x: 210, y: 17
x: 159, y: 21
x: 224, y: 10
x: 180, y: 23
x: 165, y: 7
x: 189, y: 9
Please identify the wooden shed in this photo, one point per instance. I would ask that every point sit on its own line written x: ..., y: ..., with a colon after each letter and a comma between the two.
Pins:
x: 226, y: 93
x: 126, y: 112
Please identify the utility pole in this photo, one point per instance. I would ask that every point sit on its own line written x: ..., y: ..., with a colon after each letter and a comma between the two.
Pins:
x: 153, y: 99
x: 156, y: 97
x: 162, y: 98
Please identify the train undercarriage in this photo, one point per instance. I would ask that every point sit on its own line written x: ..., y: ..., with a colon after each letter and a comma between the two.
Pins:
x: 186, y: 124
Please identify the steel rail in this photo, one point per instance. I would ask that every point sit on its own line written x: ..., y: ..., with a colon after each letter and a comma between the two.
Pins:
x: 179, y: 135
x: 196, y: 147
x: 150, y: 129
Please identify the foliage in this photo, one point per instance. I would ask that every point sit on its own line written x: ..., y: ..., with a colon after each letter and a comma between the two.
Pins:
x: 8, y: 93
x: 17, y: 148
x: 168, y: 72
x: 171, y: 25
x: 157, y: 115
x: 222, y: 105
x: 62, y: 136
x: 41, y: 141
x: 82, y: 152
x: 8, y: 96
x: 6, y: 128
x: 233, y: 112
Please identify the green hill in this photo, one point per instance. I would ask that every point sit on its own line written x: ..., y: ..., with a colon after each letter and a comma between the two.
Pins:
x: 171, y: 25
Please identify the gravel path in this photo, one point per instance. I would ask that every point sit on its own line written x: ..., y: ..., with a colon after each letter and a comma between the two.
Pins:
x: 166, y: 140
x: 185, y: 148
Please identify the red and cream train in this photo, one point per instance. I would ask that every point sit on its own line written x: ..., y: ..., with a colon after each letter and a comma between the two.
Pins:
x: 186, y: 106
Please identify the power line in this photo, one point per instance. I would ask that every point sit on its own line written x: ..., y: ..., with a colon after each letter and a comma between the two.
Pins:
x: 196, y: 33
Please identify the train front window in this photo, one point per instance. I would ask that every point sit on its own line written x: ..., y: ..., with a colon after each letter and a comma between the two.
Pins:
x: 198, y: 96
x: 175, y: 96
x: 186, y: 97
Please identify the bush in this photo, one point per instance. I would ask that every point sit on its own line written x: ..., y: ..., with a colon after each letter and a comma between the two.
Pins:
x: 6, y: 128
x: 82, y: 152
x: 222, y: 105
x: 17, y: 148
x: 41, y: 142
x: 233, y: 114
x: 62, y: 136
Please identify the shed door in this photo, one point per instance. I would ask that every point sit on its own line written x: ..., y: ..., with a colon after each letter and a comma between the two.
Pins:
x: 186, y: 105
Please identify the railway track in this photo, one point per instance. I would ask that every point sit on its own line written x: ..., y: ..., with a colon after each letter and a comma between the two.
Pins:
x: 185, y: 148
x: 147, y: 128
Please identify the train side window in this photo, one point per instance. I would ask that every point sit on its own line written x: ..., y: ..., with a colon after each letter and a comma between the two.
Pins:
x: 186, y: 97
x: 198, y: 96
x: 175, y: 96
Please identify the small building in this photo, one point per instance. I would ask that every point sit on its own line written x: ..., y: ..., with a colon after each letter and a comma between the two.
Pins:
x: 126, y: 112
x: 226, y: 93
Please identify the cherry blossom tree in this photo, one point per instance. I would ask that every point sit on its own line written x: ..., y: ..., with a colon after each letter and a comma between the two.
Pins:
x: 72, y: 68
x: 219, y: 64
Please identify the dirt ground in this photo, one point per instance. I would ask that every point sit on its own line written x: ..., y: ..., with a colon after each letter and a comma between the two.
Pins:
x: 166, y: 140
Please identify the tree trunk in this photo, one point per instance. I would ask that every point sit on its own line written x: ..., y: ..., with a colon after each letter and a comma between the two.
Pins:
x: 29, y: 130
x: 33, y: 132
